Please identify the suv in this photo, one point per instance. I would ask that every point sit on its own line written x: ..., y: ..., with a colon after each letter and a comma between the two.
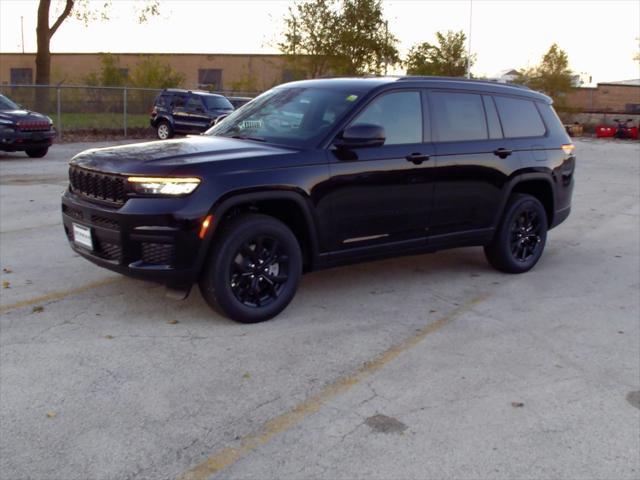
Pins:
x: 183, y: 111
x: 24, y: 131
x: 319, y: 173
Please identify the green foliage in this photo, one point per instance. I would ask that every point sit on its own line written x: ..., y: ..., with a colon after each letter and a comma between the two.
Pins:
x: 552, y: 76
x: 446, y: 59
x: 309, y: 36
x: 151, y: 72
x: 110, y: 75
x: 349, y: 37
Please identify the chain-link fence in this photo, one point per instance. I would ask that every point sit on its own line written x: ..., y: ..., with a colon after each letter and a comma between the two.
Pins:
x: 96, y: 110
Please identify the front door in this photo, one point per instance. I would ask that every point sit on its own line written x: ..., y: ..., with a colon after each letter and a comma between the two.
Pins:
x: 381, y: 195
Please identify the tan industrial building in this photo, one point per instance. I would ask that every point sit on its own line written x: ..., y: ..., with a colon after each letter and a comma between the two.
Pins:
x: 239, y: 72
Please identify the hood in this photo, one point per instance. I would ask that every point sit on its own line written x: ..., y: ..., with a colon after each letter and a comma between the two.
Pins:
x: 143, y: 157
x: 23, y: 115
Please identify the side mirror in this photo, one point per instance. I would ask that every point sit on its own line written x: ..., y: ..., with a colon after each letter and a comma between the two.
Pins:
x: 361, y: 136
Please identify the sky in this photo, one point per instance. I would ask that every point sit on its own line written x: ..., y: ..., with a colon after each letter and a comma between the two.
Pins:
x: 599, y: 36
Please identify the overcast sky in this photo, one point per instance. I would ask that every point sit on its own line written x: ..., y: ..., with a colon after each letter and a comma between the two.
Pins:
x: 600, y: 36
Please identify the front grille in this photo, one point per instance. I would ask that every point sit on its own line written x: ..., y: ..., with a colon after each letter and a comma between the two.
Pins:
x: 33, y: 126
x: 100, y: 186
x: 104, y: 222
x: 157, y: 253
x: 109, y: 251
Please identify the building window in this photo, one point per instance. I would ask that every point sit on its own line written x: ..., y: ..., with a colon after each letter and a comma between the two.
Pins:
x: 210, y: 78
x: 22, y: 76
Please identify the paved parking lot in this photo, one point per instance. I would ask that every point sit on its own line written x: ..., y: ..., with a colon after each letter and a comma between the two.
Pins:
x: 430, y: 366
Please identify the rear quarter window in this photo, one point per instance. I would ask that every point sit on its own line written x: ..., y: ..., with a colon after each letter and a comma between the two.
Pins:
x: 519, y: 117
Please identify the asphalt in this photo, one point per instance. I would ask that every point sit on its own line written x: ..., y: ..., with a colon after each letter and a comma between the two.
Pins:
x: 429, y: 366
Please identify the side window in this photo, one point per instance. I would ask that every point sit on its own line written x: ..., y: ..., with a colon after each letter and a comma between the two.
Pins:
x: 458, y: 116
x: 495, y: 131
x: 178, y: 101
x: 194, y: 103
x: 399, y: 113
x: 520, y: 118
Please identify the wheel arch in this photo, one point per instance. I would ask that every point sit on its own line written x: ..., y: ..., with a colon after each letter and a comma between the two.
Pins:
x: 536, y: 184
x: 290, y: 207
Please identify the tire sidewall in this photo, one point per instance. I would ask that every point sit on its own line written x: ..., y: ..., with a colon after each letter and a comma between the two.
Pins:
x: 37, y: 152
x: 166, y: 124
x: 521, y: 203
x: 217, y: 281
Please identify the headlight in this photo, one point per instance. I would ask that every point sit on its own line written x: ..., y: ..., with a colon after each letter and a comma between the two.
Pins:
x: 163, y: 186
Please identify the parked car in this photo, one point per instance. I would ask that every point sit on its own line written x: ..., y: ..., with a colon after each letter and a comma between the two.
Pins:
x: 22, y: 130
x: 319, y: 173
x: 237, y: 102
x: 185, y: 111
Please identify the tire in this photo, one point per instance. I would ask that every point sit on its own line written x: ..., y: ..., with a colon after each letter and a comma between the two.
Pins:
x: 164, y: 130
x: 37, y: 152
x: 253, y: 269
x: 521, y: 236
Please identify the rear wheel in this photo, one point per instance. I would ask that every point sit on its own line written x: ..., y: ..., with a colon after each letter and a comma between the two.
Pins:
x: 521, y: 236
x: 164, y: 130
x: 37, y: 152
x: 254, y: 269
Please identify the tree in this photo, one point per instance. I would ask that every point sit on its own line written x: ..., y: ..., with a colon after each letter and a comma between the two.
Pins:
x: 364, y: 42
x: 309, y: 36
x: 552, y: 76
x: 110, y: 75
x: 151, y: 72
x: 446, y: 59
x: 82, y: 10
x: 347, y: 37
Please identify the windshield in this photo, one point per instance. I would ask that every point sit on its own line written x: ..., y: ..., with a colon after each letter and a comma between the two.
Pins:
x: 6, y: 104
x: 217, y: 103
x: 288, y: 116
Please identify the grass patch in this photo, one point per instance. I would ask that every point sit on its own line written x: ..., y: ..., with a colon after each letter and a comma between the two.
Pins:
x: 90, y: 121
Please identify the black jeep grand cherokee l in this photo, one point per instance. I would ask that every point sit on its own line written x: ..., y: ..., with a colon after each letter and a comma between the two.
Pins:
x: 319, y: 173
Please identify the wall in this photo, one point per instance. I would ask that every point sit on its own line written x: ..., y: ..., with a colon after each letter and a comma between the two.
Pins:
x: 607, y: 97
x: 237, y: 69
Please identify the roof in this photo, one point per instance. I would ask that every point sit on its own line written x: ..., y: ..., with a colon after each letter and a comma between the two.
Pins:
x: 635, y: 82
x: 195, y: 92
x: 366, y: 84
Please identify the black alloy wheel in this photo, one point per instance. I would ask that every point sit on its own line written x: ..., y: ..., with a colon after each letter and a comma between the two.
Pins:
x: 525, y: 235
x: 259, y: 270
x: 521, y: 236
x: 253, y: 270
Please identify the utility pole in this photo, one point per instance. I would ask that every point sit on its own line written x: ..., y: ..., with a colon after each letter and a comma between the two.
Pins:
x: 469, y: 47
x: 22, y: 31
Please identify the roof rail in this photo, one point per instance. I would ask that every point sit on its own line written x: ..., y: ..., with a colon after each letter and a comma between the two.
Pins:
x: 408, y: 78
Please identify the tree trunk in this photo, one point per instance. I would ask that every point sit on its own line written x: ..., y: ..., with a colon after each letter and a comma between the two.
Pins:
x: 43, y: 56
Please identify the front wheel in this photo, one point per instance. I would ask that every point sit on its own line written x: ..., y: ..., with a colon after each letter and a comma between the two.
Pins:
x: 164, y: 130
x: 521, y: 236
x: 37, y: 152
x: 253, y: 270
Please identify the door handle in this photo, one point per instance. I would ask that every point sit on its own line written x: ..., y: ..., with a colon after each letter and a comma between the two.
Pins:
x: 417, y: 158
x: 502, y: 152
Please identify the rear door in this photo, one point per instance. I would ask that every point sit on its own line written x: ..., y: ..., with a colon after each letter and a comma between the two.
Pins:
x: 181, y: 122
x: 473, y: 161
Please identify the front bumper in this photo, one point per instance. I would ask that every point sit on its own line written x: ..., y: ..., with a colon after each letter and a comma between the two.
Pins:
x: 150, y: 238
x: 13, y: 140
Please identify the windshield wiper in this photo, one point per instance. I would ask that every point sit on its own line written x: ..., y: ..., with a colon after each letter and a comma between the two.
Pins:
x: 249, y: 137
